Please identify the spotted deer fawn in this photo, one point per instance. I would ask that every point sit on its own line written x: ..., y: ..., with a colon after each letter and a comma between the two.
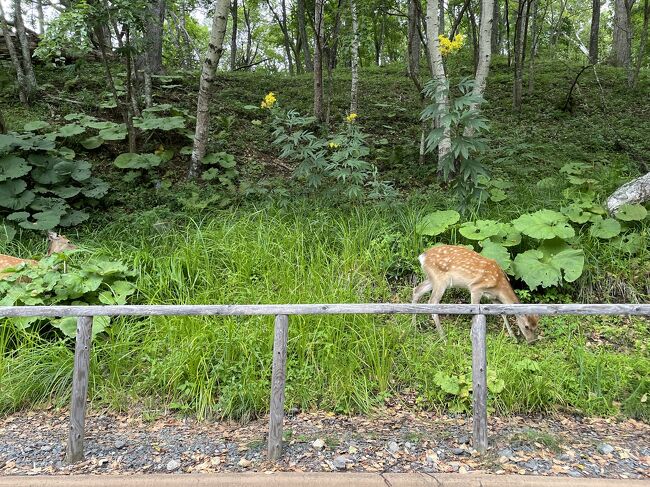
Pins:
x: 452, y: 266
x: 56, y: 243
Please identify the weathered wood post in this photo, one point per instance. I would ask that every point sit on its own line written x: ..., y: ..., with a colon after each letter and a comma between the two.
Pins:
x: 75, y: 449
x: 278, y: 380
x: 479, y: 382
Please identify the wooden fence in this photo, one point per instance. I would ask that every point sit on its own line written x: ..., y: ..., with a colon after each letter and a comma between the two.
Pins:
x: 84, y: 314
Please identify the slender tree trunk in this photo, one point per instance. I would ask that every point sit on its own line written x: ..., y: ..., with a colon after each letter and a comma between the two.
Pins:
x: 494, y: 39
x: 23, y: 87
x: 622, y: 41
x: 438, y: 73
x: 304, y: 41
x: 595, y: 29
x: 643, y: 43
x: 474, y: 28
x: 484, y: 51
x: 249, y: 35
x: 41, y: 17
x: 556, y: 27
x: 318, y: 59
x: 154, y: 32
x: 506, y: 18
x: 413, y: 44
x: 334, y: 38
x: 28, y: 68
x: 281, y: 19
x: 458, y: 19
x: 441, y: 15
x: 233, y: 37
x: 533, y: 48
x: 354, y: 56
x: 520, y: 47
x: 3, y: 127
x: 130, y: 94
x: 215, y: 50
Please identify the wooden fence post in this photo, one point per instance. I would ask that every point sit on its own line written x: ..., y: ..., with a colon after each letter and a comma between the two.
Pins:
x: 479, y: 382
x: 75, y: 449
x: 278, y: 381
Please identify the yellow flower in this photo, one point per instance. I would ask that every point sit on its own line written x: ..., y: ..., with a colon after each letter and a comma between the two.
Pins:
x: 351, y: 118
x: 269, y: 100
x: 448, y: 46
x: 334, y: 145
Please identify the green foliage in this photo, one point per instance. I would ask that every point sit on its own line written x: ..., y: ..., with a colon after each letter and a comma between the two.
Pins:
x: 336, y: 166
x: 40, y: 186
x: 465, y: 126
x: 437, y: 222
x: 59, y: 280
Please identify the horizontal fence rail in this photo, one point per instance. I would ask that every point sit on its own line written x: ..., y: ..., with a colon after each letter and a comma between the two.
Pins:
x: 84, y: 315
x: 325, y: 309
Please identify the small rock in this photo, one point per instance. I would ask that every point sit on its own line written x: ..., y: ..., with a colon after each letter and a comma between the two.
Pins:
x: 463, y: 440
x: 173, y: 465
x: 119, y: 444
x: 565, y: 458
x: 393, y: 447
x: 574, y: 473
x: 318, y: 444
x: 244, y: 463
x: 46, y: 448
x: 457, y: 451
x: 408, y: 445
x: 531, y: 465
x: 506, y: 452
x: 340, y: 462
x: 605, y: 449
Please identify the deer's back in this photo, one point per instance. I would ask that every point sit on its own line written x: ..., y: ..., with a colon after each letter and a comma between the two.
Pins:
x: 7, y: 261
x: 461, y: 267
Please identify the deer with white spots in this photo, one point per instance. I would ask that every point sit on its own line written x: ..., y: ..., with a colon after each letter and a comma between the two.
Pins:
x: 56, y: 243
x: 453, y: 266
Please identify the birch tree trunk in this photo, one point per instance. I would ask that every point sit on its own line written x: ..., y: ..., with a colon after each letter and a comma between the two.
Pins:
x: 41, y: 17
x: 643, y: 43
x: 28, y: 68
x: 413, y: 44
x: 622, y: 40
x: 318, y: 60
x: 494, y: 40
x: 354, y: 55
x: 215, y: 50
x: 304, y: 41
x: 154, y: 32
x: 23, y: 88
x: 438, y: 73
x: 484, y: 53
x: 233, y: 37
x: 595, y: 29
x: 636, y: 191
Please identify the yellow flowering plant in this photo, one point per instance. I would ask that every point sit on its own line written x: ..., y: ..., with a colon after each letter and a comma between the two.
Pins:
x: 449, y: 46
x: 269, y: 101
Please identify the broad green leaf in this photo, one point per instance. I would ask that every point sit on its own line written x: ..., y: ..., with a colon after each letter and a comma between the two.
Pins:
x: 548, y: 265
x: 576, y: 214
x: 101, y: 125
x: 447, y: 383
x: 66, y: 153
x: 605, y: 228
x: 71, y: 130
x: 14, y: 196
x: 575, y: 168
x: 509, y: 236
x: 36, y: 125
x: 631, y: 243
x: 544, y: 224
x: 117, y: 132
x: 159, y: 123
x: 480, y: 229
x: 96, y: 188
x: 13, y: 167
x: 44, y: 220
x: 129, y: 160
x: 92, y: 142
x: 437, y: 222
x: 7, y: 232
x: 629, y: 213
x: 497, y: 195
x: 73, y: 218
x: 497, y: 252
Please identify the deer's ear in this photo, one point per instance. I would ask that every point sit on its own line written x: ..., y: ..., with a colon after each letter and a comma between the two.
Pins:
x: 52, y: 235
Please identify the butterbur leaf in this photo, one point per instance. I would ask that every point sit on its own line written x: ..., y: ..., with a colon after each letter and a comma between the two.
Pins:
x: 7, y: 232
x: 544, y: 224
x: 509, y: 236
x: 117, y: 132
x: 71, y: 130
x: 605, y: 228
x: 73, y: 218
x: 447, y: 383
x: 13, y: 167
x: 575, y: 168
x: 437, y: 222
x: 480, y: 229
x: 92, y: 142
x: 131, y: 160
x: 44, y: 220
x: 497, y: 252
x: 35, y: 125
x: 631, y: 243
x: 629, y: 213
x: 548, y: 265
x: 576, y: 214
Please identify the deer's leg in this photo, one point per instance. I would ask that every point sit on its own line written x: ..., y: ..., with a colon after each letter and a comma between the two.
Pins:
x: 436, y: 295
x: 419, y: 291
x: 505, y: 321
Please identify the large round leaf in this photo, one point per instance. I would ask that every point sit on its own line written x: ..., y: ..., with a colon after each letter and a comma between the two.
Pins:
x: 117, y: 132
x: 544, y: 224
x: 92, y: 142
x: 45, y: 220
x: 75, y: 217
x: 480, y: 229
x: 12, y: 167
x: 160, y: 123
x: 576, y: 214
x: 509, y: 236
x: 605, y: 228
x: 35, y: 125
x: 14, y: 196
x: 71, y: 130
x: 630, y: 213
x: 537, y: 268
x: 101, y: 125
x: 497, y: 252
x: 7, y: 232
x: 631, y: 243
x: 96, y: 188
x: 129, y: 160
x: 437, y: 222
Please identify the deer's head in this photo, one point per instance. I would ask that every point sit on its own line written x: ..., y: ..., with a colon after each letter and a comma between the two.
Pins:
x: 58, y: 243
x: 528, y: 326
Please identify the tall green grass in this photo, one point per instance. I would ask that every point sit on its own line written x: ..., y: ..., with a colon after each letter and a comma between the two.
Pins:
x: 222, y: 365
